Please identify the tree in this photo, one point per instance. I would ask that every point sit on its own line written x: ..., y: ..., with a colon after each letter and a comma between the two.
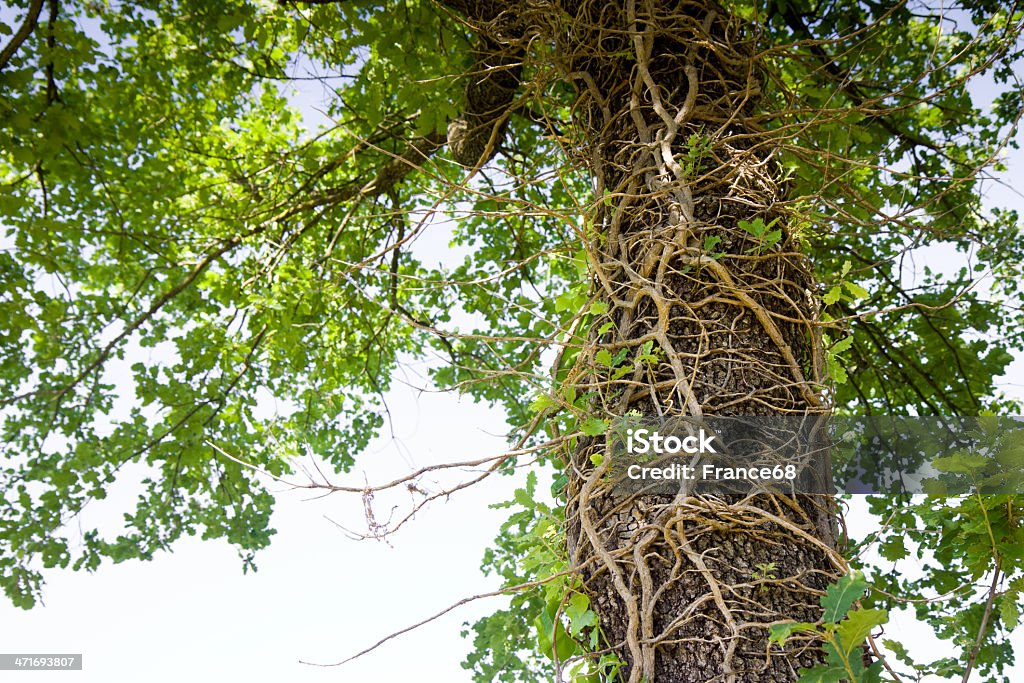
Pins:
x: 667, y: 209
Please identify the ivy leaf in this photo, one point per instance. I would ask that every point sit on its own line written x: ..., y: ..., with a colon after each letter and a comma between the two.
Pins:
x: 894, y: 549
x: 580, y: 616
x: 552, y: 638
x: 754, y: 228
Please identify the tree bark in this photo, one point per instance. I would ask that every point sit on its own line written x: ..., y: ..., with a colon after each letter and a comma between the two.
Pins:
x: 686, y: 587
x: 708, y: 292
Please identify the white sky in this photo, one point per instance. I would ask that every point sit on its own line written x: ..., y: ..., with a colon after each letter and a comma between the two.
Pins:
x: 318, y: 595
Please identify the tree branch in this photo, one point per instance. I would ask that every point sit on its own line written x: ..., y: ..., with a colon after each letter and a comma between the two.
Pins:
x: 24, y: 31
x: 387, y: 176
x: 846, y: 82
x: 996, y: 576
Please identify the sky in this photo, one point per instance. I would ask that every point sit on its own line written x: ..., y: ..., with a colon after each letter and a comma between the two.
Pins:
x: 320, y: 596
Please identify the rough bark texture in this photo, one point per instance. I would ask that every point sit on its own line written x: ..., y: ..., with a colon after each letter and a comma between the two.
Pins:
x: 715, y: 320
x: 475, y: 136
x: 666, y: 118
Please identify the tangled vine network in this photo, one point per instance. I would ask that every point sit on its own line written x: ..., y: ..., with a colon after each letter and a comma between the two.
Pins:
x: 702, y: 300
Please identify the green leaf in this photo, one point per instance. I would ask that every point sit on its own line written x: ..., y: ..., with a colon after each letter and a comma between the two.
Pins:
x: 541, y: 402
x: 841, y: 595
x: 823, y: 673
x: 960, y: 463
x: 838, y: 373
x: 622, y: 371
x: 854, y: 630
x: 755, y: 227
x: 580, y: 616
x: 1009, y: 611
x: 899, y: 650
x: 570, y: 301
x: 832, y: 295
x: 894, y: 549
x: 856, y: 290
x: 780, y: 633
x: 842, y: 345
x: 552, y: 638
x: 594, y: 426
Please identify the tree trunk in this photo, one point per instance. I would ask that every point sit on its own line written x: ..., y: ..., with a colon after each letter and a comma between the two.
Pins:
x: 707, y: 292
x: 684, y: 174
